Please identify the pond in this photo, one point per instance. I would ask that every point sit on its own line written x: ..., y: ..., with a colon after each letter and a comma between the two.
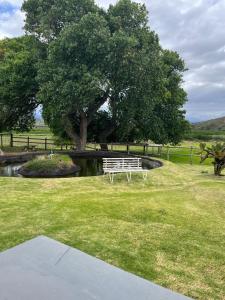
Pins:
x: 88, y: 167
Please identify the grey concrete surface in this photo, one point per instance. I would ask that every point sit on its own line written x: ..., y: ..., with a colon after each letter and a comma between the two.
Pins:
x: 44, y: 269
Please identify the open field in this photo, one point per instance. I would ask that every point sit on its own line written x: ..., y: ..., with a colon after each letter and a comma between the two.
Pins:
x: 43, y: 132
x: 206, y: 135
x: 169, y: 229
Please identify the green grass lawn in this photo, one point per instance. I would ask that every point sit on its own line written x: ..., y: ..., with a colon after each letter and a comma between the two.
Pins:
x: 169, y: 229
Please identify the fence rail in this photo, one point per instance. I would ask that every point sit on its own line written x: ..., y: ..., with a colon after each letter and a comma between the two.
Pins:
x: 173, y: 153
x: 31, y: 143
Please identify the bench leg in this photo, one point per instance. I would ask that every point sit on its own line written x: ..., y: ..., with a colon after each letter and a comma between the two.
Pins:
x: 111, y: 177
x: 128, y: 176
x: 145, y: 175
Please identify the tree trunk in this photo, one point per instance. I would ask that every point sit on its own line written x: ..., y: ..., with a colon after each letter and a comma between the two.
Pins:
x: 218, y: 167
x: 83, y: 131
x: 104, y: 135
x: 80, y: 139
x: 104, y: 147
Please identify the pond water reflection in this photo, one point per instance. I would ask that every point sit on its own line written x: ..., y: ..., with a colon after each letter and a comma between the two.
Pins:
x: 89, y: 167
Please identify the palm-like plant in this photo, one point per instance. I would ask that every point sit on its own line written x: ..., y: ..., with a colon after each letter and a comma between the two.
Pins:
x: 217, y: 152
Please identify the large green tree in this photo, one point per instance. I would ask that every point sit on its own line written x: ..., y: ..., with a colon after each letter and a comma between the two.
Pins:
x: 110, y: 58
x: 18, y: 86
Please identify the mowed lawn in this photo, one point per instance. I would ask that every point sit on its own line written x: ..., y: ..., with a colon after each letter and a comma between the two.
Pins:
x: 169, y: 229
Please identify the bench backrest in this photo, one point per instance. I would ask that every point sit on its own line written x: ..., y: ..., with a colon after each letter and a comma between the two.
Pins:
x: 122, y: 163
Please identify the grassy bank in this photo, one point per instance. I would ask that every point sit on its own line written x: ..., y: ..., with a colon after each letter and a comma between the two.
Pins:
x: 46, y: 163
x: 169, y: 229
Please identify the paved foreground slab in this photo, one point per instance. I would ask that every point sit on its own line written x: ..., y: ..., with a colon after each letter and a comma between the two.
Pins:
x: 44, y: 269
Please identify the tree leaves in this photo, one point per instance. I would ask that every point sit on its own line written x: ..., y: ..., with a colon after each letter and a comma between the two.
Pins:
x: 18, y: 86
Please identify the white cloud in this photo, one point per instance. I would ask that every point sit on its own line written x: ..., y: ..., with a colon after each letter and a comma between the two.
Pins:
x: 15, y: 3
x: 11, y: 20
x: 196, y: 30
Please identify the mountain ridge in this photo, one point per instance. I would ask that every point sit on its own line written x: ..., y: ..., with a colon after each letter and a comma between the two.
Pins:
x: 213, y: 124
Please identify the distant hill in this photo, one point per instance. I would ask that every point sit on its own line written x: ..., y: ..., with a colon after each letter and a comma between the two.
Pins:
x: 215, y: 124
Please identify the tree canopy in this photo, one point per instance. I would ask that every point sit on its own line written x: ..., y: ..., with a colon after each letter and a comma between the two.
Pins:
x: 46, y: 18
x: 18, y: 86
x: 97, y: 58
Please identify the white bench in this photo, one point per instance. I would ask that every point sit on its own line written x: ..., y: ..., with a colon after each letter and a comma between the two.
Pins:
x: 129, y: 165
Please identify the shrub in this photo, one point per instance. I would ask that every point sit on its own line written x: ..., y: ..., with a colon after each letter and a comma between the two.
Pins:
x: 217, y: 152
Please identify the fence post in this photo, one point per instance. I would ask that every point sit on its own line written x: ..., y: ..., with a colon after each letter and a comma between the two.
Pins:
x: 1, y: 140
x: 191, y: 156
x: 160, y: 151
x: 46, y: 143
x: 168, y: 153
x: 11, y: 140
x: 153, y: 151
x: 146, y: 150
x: 28, y: 143
x: 128, y: 149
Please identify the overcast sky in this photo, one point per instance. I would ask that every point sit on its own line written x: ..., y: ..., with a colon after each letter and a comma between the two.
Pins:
x: 194, y: 28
